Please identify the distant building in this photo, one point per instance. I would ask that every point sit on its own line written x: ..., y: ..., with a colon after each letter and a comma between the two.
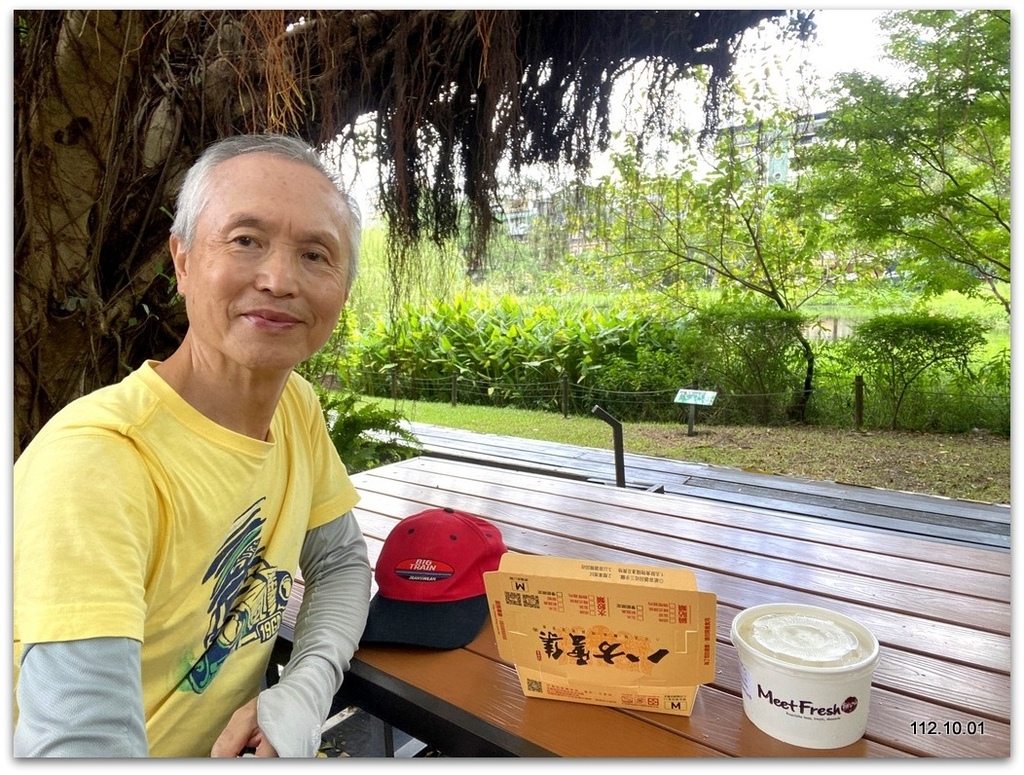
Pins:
x: 518, y: 215
x: 777, y: 144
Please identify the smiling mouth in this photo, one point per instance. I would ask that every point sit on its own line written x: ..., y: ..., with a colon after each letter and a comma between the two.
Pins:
x: 271, y: 319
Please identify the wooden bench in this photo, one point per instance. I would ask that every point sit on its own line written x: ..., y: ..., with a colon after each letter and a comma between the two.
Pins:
x: 937, y: 518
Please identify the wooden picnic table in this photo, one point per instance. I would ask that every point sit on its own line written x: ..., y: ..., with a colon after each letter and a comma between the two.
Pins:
x: 940, y: 611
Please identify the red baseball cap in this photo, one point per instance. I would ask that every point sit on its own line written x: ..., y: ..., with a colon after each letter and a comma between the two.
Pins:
x: 430, y: 585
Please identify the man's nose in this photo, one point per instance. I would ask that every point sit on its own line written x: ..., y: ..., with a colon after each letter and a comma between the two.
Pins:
x: 278, y: 272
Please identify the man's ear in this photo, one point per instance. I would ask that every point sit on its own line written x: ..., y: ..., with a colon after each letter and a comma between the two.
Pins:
x: 180, y: 258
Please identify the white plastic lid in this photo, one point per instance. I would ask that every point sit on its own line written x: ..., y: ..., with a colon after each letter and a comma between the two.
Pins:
x: 802, y: 638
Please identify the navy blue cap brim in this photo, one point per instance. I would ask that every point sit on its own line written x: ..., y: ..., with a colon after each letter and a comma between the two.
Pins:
x: 437, y: 625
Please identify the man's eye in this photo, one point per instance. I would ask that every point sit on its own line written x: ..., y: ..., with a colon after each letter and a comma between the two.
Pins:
x: 312, y: 255
x: 245, y: 241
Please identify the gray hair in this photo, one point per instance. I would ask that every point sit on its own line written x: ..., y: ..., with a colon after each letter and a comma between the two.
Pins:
x: 192, y: 198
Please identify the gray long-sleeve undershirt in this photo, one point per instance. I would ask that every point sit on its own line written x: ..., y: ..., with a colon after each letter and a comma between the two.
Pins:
x: 84, y: 698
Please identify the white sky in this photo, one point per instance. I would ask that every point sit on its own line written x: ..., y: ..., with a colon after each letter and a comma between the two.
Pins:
x: 848, y: 39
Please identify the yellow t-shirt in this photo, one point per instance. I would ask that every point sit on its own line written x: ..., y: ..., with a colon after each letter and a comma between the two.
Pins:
x: 137, y: 516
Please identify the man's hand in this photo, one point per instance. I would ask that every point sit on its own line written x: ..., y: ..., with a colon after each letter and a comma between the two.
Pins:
x: 242, y: 732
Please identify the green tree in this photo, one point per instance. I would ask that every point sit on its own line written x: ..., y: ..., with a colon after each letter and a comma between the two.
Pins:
x: 897, y: 350
x: 743, y: 228
x: 926, y: 163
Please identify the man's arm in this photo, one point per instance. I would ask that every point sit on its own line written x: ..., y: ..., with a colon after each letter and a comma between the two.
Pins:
x: 81, y: 699
x: 330, y: 622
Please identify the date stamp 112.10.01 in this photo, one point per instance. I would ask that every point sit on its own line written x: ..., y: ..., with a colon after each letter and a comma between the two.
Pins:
x: 947, y: 727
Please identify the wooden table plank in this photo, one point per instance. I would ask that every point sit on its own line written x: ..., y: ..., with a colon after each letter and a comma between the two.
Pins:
x: 658, y: 526
x: 936, y: 616
x: 757, y: 519
x: 935, y: 527
x: 518, y: 504
x: 923, y: 679
x: 941, y: 613
x: 457, y: 678
x: 903, y: 667
x: 581, y: 730
x: 718, y: 704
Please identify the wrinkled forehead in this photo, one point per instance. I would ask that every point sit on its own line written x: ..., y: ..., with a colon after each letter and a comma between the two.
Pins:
x: 259, y: 179
x: 272, y: 166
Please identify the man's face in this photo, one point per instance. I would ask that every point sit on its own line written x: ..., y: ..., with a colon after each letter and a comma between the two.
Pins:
x: 266, y: 279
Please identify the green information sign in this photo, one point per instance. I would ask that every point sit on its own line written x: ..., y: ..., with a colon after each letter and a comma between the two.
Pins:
x: 698, y: 397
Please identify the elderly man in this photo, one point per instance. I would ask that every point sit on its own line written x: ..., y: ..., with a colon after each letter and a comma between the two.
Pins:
x: 159, y: 522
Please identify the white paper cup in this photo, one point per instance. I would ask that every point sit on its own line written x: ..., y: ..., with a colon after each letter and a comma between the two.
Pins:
x: 806, y: 673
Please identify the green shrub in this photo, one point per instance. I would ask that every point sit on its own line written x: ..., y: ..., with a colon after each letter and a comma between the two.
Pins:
x: 502, y: 351
x: 895, y: 352
x: 751, y: 354
x: 365, y: 434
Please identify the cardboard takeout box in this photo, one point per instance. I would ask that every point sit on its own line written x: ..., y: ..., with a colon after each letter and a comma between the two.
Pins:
x: 603, y: 633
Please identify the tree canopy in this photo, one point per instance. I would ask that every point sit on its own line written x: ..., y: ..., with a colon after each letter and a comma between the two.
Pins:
x: 925, y: 164
x: 111, y: 107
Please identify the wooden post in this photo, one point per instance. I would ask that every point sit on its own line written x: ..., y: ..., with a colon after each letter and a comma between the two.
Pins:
x: 455, y: 389
x: 565, y: 395
x: 858, y: 402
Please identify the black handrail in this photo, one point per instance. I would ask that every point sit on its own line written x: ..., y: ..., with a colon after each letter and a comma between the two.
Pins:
x: 620, y: 466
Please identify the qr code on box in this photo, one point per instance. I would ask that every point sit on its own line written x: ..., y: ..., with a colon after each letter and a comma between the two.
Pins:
x: 533, y: 685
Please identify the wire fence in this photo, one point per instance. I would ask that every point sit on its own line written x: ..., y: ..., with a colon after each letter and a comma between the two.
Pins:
x: 844, y: 406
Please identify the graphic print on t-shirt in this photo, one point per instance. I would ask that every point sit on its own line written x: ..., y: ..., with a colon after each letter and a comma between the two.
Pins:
x: 248, y: 598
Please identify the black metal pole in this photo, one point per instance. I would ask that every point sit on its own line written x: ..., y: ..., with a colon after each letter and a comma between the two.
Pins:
x: 620, y: 466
